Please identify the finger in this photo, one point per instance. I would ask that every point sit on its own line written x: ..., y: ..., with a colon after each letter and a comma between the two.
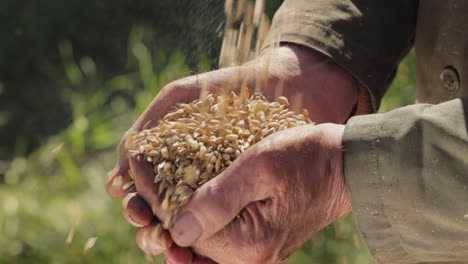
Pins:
x: 144, y: 181
x: 178, y: 255
x: 136, y: 211
x: 153, y: 239
x: 220, y: 200
x: 147, y: 189
x: 118, y: 182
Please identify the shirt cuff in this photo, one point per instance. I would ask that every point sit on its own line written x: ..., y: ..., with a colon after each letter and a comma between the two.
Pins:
x: 406, y: 174
x: 367, y: 187
x: 331, y: 44
x: 367, y: 38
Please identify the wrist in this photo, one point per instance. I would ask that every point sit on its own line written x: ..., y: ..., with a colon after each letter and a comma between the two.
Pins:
x: 344, y: 199
x: 332, y: 135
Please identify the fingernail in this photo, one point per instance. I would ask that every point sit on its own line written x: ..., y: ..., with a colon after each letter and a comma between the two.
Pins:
x: 155, y: 237
x: 124, y: 206
x: 144, y: 242
x: 127, y: 185
x: 165, y: 243
x: 117, y: 183
x: 156, y: 232
x: 187, y: 229
x: 112, y: 172
x: 133, y: 222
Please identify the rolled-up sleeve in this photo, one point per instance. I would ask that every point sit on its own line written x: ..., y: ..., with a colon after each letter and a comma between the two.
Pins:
x: 407, y: 174
x: 367, y: 37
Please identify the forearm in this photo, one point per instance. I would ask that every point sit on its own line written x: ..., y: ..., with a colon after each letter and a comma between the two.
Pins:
x: 407, y: 173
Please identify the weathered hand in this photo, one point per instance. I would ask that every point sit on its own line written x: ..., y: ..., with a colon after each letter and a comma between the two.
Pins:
x: 271, y: 200
x: 327, y: 91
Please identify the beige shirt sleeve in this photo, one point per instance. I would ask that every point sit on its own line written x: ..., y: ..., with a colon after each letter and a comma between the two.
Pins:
x: 407, y: 173
x: 367, y: 37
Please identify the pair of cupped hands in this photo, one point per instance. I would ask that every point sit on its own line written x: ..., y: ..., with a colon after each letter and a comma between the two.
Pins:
x: 277, y: 194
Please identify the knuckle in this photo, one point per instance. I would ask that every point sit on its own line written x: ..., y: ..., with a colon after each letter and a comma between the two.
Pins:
x: 222, y: 196
x: 267, y: 170
x: 174, y: 86
x: 167, y: 89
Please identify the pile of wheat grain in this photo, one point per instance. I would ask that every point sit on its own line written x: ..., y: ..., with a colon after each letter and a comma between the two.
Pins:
x: 197, y: 141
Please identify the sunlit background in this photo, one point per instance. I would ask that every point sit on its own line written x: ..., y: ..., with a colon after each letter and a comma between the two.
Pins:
x: 73, y: 76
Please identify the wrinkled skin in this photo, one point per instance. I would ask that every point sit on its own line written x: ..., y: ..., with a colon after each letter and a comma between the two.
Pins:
x: 284, y: 189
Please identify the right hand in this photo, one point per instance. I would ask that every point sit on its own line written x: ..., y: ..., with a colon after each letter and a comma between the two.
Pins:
x: 273, y: 198
x: 327, y: 91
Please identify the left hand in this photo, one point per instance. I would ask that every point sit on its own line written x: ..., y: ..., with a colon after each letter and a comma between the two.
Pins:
x: 268, y: 203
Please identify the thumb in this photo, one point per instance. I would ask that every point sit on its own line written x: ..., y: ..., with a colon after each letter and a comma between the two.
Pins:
x: 219, y: 201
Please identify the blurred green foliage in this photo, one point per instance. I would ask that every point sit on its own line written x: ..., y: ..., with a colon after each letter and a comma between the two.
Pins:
x: 73, y: 77
x: 53, y: 51
x: 403, y: 89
